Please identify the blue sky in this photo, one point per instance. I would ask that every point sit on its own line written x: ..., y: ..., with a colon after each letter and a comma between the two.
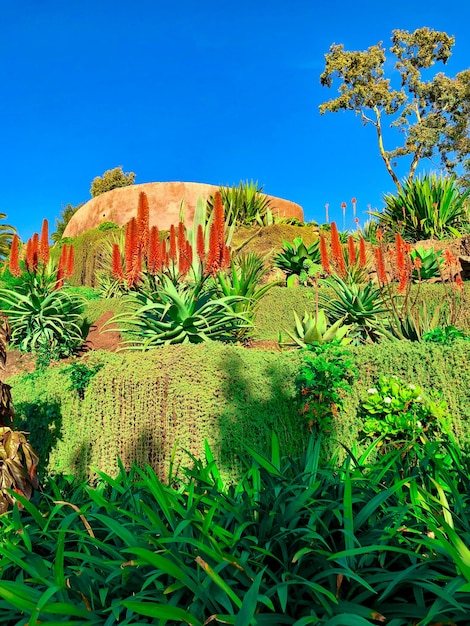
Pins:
x: 206, y: 91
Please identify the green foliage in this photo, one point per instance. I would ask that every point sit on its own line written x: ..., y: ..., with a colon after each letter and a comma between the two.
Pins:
x: 243, y: 281
x: 430, y: 262
x: 18, y: 460
x: 44, y: 321
x: 293, y: 541
x: 358, y: 305
x: 80, y: 376
x: 327, y: 372
x: 427, y: 207
x: 111, y: 179
x: 91, y: 255
x: 433, y: 115
x: 444, y: 335
x: 298, y: 259
x: 61, y: 223
x: 314, y: 330
x: 108, y: 226
x: 165, y: 313
x: 403, y: 414
x: 245, y: 204
x: 6, y: 236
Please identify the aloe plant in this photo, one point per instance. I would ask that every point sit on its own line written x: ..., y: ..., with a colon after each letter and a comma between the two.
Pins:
x: 358, y: 305
x: 314, y: 329
x: 179, y: 313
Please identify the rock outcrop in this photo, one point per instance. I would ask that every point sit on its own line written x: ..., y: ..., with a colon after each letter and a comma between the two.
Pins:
x: 165, y: 199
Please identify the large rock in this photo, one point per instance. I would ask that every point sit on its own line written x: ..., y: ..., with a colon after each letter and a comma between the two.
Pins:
x: 119, y: 205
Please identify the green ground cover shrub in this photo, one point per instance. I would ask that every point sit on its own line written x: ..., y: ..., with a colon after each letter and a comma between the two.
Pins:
x: 139, y: 406
x: 293, y: 541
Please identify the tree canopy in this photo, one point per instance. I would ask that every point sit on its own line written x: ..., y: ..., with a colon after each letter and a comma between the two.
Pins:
x: 111, y: 179
x: 61, y: 222
x: 432, y: 115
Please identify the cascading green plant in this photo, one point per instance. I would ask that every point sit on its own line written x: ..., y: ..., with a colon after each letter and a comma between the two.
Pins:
x: 245, y: 204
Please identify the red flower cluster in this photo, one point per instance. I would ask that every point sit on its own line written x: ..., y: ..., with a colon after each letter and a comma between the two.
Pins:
x: 143, y: 248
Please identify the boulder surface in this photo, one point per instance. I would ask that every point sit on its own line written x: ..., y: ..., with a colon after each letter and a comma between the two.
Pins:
x: 120, y: 205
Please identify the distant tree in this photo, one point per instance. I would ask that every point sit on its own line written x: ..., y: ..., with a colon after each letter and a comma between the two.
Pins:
x: 433, y: 115
x: 111, y: 179
x: 65, y: 216
x: 6, y: 236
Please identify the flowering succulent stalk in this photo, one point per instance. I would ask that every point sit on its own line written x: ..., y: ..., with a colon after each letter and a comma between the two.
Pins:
x: 154, y: 263
x: 217, y: 255
x: 44, y: 243
x: 337, y: 251
x: 380, y: 266
x: 14, y: 257
x: 325, y: 261
x: 117, y: 271
x: 172, y: 250
x: 351, y: 251
x: 143, y: 224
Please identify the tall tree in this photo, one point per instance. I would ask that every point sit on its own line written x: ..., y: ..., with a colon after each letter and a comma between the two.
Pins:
x: 111, y: 179
x: 61, y: 222
x: 433, y: 115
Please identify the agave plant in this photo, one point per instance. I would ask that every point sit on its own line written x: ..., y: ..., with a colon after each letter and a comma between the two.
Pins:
x: 427, y: 263
x: 298, y: 260
x: 313, y: 329
x: 179, y: 313
x: 429, y: 207
x: 358, y: 305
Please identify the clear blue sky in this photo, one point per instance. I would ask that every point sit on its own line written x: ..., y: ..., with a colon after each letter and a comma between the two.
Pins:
x: 206, y: 91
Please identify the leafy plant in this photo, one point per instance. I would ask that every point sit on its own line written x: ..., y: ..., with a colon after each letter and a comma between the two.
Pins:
x: 245, y: 204
x: 427, y: 207
x: 313, y: 330
x: 108, y: 226
x: 427, y: 264
x: 243, y: 281
x: 49, y: 323
x: 18, y: 460
x: 358, y: 305
x: 444, y: 335
x: 80, y: 376
x: 326, y: 373
x: 167, y: 313
x: 402, y: 414
x: 290, y: 541
x: 299, y: 260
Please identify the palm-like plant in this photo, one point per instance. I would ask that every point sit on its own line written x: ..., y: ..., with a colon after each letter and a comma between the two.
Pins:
x: 425, y: 208
x: 6, y: 236
x: 181, y: 313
